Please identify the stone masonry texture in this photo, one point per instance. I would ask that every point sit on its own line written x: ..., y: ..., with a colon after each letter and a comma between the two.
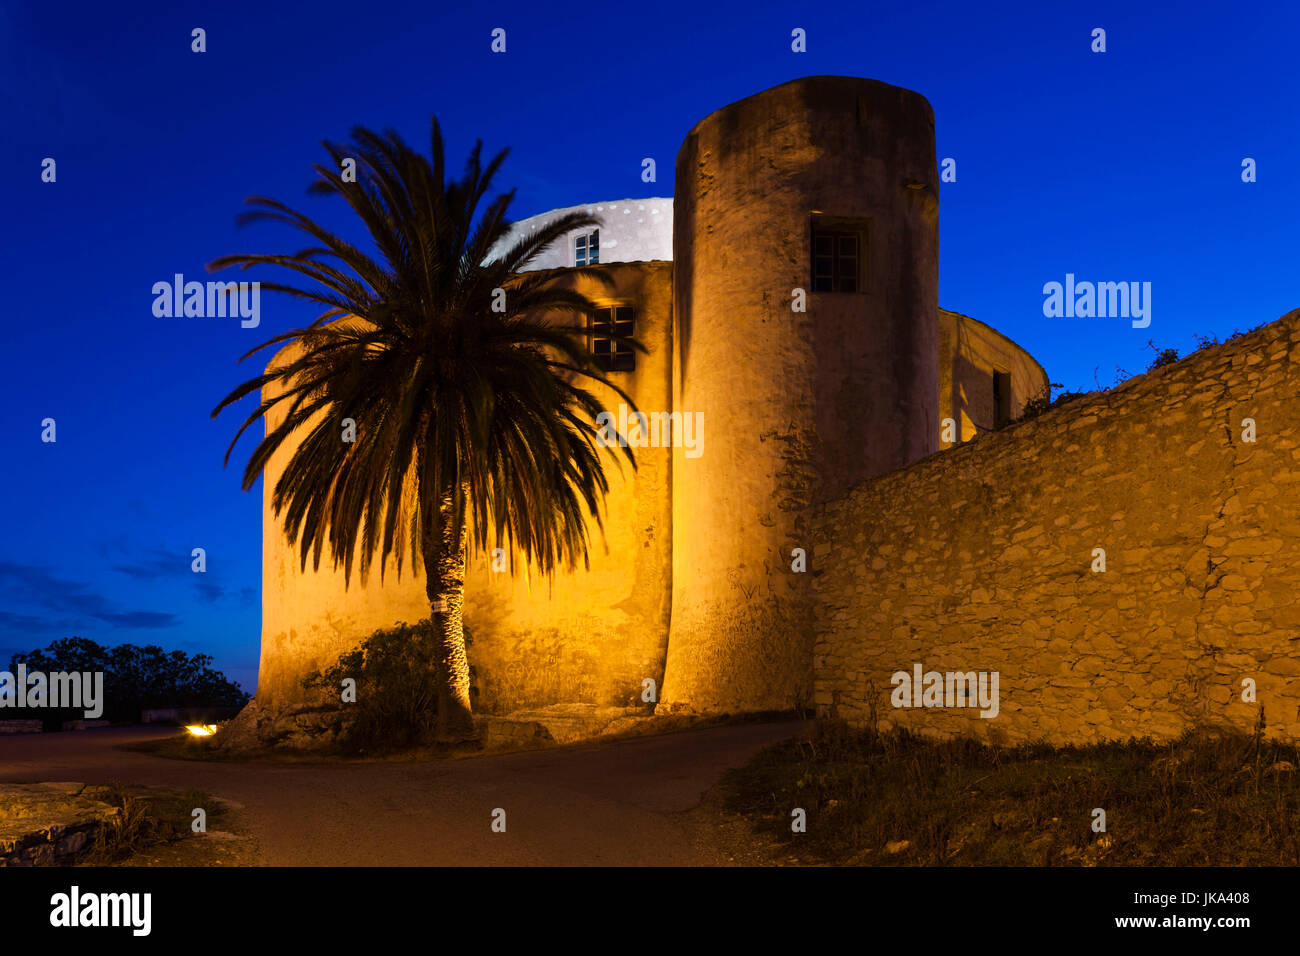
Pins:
x: 981, y: 558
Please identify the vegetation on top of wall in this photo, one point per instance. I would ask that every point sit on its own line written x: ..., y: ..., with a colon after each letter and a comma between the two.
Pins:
x: 1170, y: 356
x: 1206, y: 341
x: 1163, y: 356
x: 1043, y: 401
x: 1210, y: 798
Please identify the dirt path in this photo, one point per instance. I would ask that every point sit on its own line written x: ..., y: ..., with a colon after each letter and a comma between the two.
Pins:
x: 617, y: 803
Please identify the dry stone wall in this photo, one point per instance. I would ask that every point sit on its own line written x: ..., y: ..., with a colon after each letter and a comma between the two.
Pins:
x: 983, y: 559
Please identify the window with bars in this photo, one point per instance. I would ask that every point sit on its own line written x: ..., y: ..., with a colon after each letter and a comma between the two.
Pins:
x: 613, y: 356
x: 586, y: 248
x: 836, y: 265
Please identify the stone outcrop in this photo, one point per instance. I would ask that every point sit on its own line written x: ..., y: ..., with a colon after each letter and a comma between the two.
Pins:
x: 49, y: 824
x: 310, y: 727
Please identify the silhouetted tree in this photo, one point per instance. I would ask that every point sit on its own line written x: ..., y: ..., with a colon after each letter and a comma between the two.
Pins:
x: 485, y: 414
x: 135, y: 678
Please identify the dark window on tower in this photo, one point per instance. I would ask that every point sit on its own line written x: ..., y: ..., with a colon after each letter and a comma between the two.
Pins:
x: 586, y: 248
x: 1001, y: 398
x: 836, y: 259
x: 613, y: 356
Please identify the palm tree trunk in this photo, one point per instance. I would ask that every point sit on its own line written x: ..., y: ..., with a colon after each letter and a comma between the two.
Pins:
x: 444, y: 569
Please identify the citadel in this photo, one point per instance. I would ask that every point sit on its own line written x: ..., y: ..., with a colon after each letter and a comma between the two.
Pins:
x: 826, y: 431
x: 826, y: 184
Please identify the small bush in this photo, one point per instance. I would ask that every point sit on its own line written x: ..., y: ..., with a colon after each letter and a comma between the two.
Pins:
x: 1163, y: 357
x: 397, y: 697
x: 145, y: 818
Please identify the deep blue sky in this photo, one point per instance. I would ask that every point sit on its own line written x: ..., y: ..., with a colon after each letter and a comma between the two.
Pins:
x: 1117, y: 166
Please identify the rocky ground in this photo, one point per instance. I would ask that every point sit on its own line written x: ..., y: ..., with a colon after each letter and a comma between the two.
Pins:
x: 50, y: 823
x: 66, y: 823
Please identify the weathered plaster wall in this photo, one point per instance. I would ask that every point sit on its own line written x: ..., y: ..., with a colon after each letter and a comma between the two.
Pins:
x: 969, y: 353
x: 309, y: 617
x: 591, y: 636
x: 979, y: 559
x: 798, y: 407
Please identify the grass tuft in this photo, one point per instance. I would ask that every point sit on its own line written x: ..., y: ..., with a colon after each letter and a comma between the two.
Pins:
x: 144, y: 819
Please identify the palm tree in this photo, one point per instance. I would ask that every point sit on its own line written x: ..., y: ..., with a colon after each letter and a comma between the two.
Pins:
x: 468, y: 383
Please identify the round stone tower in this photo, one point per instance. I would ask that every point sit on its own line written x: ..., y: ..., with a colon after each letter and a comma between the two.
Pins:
x: 806, y: 248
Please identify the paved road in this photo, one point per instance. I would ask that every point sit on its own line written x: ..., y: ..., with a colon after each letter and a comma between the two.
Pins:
x: 615, y: 803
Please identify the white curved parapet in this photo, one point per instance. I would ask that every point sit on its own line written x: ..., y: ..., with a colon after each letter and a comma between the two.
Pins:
x: 631, y: 230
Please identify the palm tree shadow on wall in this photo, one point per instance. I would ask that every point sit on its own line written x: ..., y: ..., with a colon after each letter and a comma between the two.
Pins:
x: 972, y: 395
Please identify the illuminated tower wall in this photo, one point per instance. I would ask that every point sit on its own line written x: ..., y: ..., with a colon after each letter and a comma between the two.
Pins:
x: 798, y: 406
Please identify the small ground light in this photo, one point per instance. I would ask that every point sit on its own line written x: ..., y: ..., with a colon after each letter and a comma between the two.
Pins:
x: 201, y: 730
